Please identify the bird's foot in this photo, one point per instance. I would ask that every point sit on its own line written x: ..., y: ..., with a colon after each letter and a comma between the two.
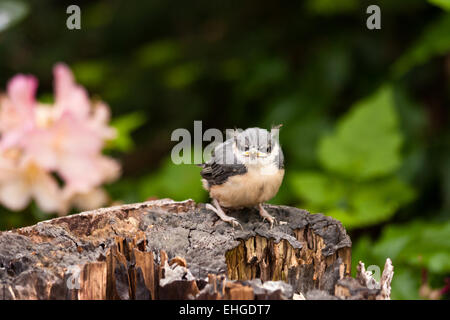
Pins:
x: 218, y: 210
x: 266, y: 216
x: 233, y: 222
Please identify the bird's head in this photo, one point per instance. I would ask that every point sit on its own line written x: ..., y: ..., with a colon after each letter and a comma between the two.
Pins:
x: 257, y: 147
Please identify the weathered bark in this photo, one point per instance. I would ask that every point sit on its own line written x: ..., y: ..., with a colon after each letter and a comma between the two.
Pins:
x: 176, y: 250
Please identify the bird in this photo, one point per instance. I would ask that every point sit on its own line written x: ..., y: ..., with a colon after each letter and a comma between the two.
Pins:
x: 246, y: 170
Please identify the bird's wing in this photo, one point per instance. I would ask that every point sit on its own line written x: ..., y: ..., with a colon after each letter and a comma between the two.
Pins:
x: 222, y: 165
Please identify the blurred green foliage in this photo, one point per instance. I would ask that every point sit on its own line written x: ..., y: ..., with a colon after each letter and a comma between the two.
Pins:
x: 376, y: 151
x: 415, y: 246
x: 444, y: 4
x: 175, y: 182
x: 357, y: 184
x: 433, y: 41
x: 366, y: 132
x: 124, y: 126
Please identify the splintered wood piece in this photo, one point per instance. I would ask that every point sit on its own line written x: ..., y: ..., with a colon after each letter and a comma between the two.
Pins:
x: 365, y: 286
x: 146, y: 264
x: 93, y: 281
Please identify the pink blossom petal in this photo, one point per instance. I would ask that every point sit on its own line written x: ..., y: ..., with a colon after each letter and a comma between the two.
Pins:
x: 14, y: 192
x: 46, y: 192
x: 11, y: 139
x: 17, y: 110
x: 83, y: 174
x: 80, y: 173
x: 69, y: 139
x: 109, y: 168
x: 39, y: 146
x: 101, y: 113
x: 77, y: 136
x: 15, y: 195
x: 69, y: 96
x: 64, y: 81
x: 99, y: 121
x: 21, y: 90
x: 8, y: 169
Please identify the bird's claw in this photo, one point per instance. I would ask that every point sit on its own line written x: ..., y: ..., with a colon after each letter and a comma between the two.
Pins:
x: 271, y: 220
x: 225, y: 218
x: 235, y: 223
x: 266, y: 216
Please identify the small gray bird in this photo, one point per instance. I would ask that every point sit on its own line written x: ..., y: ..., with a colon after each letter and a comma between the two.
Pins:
x: 244, y: 171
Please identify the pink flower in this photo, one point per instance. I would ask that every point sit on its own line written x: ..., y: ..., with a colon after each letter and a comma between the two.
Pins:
x: 72, y: 149
x: 22, y: 180
x: 65, y: 138
x: 17, y: 110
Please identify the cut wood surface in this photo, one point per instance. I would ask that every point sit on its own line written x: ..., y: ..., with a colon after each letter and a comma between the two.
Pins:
x: 180, y: 250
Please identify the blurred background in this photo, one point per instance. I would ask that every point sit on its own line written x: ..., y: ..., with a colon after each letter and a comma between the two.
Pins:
x: 365, y: 113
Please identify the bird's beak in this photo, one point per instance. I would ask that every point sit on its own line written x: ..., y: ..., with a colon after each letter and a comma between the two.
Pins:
x: 254, y: 153
x: 261, y: 154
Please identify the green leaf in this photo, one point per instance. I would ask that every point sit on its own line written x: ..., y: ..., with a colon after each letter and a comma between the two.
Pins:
x: 372, y: 203
x: 355, y: 204
x: 417, y: 244
x: 318, y: 190
x: 444, y: 4
x: 178, y: 182
x: 379, y: 200
x: 11, y: 12
x: 367, y: 141
x: 434, y: 41
x: 125, y: 125
x: 90, y: 73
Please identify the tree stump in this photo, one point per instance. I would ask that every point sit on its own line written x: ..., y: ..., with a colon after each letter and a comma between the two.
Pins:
x: 180, y: 250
